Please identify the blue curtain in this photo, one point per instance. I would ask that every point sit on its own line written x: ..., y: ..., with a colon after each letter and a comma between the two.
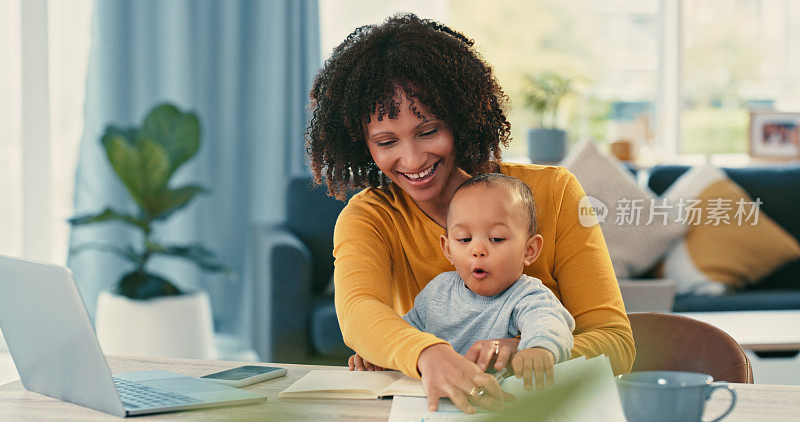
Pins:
x: 245, y: 67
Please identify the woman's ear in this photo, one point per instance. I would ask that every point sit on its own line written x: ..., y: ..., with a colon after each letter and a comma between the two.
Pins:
x: 532, y: 249
x: 445, y: 247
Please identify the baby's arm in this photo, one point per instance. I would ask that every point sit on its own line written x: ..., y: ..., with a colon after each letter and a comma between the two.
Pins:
x: 544, y: 322
x: 546, y: 335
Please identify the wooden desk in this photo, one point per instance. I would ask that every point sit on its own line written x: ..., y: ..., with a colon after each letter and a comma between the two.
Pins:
x: 756, y: 402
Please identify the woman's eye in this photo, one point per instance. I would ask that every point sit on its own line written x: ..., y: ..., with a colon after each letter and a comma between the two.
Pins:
x: 497, y: 239
x: 464, y: 239
x: 384, y: 143
x: 430, y: 132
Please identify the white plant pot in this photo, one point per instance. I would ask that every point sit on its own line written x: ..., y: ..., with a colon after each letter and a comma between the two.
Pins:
x: 168, y: 327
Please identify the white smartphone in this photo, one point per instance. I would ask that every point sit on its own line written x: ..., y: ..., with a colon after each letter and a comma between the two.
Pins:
x: 245, y: 375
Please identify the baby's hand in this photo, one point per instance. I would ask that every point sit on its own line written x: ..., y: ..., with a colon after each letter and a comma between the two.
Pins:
x: 357, y: 363
x: 534, y: 361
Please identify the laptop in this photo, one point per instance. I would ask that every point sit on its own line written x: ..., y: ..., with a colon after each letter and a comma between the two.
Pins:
x: 54, y: 347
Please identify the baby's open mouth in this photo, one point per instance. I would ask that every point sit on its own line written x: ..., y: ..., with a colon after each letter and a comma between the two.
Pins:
x: 479, y: 273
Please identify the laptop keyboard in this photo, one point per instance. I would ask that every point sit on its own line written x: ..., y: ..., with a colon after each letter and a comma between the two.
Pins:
x: 136, y: 396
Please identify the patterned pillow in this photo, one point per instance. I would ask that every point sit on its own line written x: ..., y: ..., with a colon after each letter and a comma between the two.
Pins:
x: 730, y: 242
x: 638, y: 227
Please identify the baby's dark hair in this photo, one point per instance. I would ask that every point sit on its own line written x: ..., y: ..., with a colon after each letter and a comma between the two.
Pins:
x: 491, y: 180
x: 433, y: 65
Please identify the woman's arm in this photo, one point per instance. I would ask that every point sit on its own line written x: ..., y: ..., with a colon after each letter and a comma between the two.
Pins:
x: 586, y: 281
x: 363, y: 277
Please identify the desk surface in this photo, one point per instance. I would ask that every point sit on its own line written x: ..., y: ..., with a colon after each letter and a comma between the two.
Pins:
x: 756, y: 402
x: 757, y: 330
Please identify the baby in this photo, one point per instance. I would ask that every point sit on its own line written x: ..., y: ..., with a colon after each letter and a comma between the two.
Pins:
x: 491, y: 235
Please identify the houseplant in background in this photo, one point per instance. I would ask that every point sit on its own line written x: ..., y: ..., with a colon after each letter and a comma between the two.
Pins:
x: 144, y: 313
x: 544, y: 93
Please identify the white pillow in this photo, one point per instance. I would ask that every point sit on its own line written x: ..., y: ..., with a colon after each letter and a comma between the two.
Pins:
x: 678, y: 263
x: 634, y: 248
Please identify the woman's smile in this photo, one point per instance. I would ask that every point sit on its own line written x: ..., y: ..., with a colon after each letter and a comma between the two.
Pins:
x: 422, y: 178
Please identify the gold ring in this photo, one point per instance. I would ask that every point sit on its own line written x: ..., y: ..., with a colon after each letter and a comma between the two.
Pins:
x: 477, y: 392
x: 496, y: 347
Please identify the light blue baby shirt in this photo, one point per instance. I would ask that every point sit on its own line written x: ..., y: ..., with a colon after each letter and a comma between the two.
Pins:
x: 449, y: 310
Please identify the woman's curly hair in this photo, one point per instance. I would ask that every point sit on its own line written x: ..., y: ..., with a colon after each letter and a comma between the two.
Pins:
x: 432, y: 64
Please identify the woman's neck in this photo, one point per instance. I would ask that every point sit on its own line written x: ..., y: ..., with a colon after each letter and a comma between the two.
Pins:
x: 436, y: 209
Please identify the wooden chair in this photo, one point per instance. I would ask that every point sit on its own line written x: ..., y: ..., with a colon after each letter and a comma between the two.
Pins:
x: 676, y: 343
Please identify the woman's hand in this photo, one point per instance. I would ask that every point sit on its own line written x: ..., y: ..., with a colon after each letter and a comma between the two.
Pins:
x: 482, y: 352
x: 357, y: 363
x: 445, y: 373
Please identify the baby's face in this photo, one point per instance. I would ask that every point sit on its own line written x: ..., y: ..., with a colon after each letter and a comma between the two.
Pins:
x: 488, y: 239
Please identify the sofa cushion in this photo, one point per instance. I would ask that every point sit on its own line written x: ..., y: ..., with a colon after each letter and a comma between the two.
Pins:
x: 740, y: 301
x: 786, y: 277
x: 311, y: 215
x: 730, y: 239
x: 325, y: 334
x: 776, y: 186
x: 635, y: 243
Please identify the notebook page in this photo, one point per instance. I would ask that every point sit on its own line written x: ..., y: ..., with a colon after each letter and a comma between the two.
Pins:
x: 340, y: 384
x: 405, y: 386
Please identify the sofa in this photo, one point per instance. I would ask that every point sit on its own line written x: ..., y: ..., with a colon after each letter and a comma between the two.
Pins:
x: 778, y: 187
x: 294, y: 314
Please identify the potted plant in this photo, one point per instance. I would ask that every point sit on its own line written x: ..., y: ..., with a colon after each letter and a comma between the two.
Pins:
x: 144, y: 313
x: 544, y: 93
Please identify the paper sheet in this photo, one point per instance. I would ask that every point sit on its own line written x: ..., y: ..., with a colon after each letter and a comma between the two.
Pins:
x: 584, y: 390
x: 416, y: 409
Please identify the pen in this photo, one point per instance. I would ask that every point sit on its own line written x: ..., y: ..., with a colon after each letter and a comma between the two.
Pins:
x: 500, y: 375
x: 503, y: 374
x: 506, y: 371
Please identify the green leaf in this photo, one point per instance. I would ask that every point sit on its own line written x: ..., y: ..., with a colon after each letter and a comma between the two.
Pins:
x: 123, y: 158
x: 143, y: 168
x: 178, y: 133
x: 109, y: 215
x: 543, y: 93
x: 153, y: 172
x: 130, y: 134
x: 200, y: 255
x: 125, y: 252
x: 168, y: 201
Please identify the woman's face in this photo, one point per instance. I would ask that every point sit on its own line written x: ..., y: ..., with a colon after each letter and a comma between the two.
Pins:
x: 417, y: 155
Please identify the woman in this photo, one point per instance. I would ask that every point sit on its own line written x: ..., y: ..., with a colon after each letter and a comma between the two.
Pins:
x: 407, y: 111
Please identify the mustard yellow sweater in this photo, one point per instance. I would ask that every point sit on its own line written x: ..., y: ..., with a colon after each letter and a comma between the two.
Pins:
x: 387, y: 250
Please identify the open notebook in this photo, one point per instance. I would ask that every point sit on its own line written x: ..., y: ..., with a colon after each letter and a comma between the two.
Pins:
x: 327, y: 384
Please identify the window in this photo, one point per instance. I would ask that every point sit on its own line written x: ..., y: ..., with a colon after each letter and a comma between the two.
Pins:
x: 611, y: 49
x: 45, y: 45
x: 674, y: 77
x: 738, y: 55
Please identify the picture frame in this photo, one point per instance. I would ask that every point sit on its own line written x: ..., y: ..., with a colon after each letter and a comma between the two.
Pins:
x: 774, y: 135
